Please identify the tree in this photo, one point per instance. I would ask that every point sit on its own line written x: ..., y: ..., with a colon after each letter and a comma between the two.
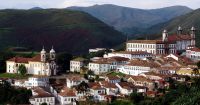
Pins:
x: 198, y: 65
x: 90, y: 72
x: 22, y: 70
x: 44, y: 103
x: 136, y: 97
x: 121, y: 102
x: 195, y: 72
x: 82, y: 86
x: 63, y: 61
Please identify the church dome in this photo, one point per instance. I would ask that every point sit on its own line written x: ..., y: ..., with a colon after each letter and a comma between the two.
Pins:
x: 179, y: 28
x: 193, y: 29
x: 165, y: 31
x: 52, y: 50
x: 43, y: 51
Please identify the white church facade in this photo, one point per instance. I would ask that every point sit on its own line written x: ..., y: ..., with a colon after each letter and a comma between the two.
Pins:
x: 42, y: 64
x: 168, y: 44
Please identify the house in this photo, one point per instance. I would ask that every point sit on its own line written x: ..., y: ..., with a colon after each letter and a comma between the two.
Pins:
x: 125, y: 88
x: 40, y: 96
x: 186, y: 71
x: 74, y: 80
x: 99, y: 67
x: 111, y: 88
x: 96, y: 89
x: 141, y: 81
x: 137, y: 66
x: 67, y: 96
x: 193, y: 53
x: 112, y: 79
x: 167, y: 70
x: 41, y: 64
x: 166, y: 45
x: 116, y: 62
x: 153, y: 76
x: 76, y: 64
x: 130, y: 54
x: 35, y: 81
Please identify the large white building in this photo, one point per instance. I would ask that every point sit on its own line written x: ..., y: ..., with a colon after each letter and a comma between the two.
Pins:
x: 41, y: 64
x: 136, y: 67
x: 168, y: 44
x: 130, y: 54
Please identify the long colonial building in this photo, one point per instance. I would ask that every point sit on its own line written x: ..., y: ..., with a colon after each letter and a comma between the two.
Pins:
x: 41, y: 64
x: 166, y: 45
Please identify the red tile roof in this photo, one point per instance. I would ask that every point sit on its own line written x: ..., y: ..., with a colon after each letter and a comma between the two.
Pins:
x: 41, y: 93
x: 19, y: 59
x: 116, y: 58
x: 75, y: 78
x: 36, y: 58
x: 108, y: 85
x: 138, y: 78
x: 67, y: 92
x: 146, y: 41
x: 143, y: 63
x: 172, y: 38
x: 111, y: 77
x: 134, y: 52
x: 126, y: 85
x: 195, y: 49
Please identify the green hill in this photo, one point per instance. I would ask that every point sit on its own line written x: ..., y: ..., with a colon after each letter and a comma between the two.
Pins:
x: 132, y: 20
x: 66, y: 30
x: 186, y: 22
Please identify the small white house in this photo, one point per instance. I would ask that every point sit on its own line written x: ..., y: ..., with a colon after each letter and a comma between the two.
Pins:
x: 99, y: 67
x: 41, y: 96
x: 35, y: 81
x: 193, y: 54
x: 111, y: 88
x: 112, y: 79
x: 67, y: 97
x: 125, y: 88
x: 74, y: 80
x: 76, y: 64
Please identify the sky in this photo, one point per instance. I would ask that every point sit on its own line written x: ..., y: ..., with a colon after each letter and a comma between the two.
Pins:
x: 142, y: 4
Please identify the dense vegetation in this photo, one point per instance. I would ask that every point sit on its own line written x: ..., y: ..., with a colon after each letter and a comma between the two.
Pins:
x: 13, y: 96
x: 65, y: 29
x: 178, y: 94
x: 132, y: 20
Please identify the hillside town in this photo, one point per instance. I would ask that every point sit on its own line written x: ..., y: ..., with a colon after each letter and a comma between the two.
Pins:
x: 145, y: 67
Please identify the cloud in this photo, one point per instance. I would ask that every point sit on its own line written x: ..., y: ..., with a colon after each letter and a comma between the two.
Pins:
x: 144, y: 4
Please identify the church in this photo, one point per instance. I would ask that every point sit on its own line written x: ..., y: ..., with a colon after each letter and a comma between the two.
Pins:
x: 42, y: 64
x: 168, y: 44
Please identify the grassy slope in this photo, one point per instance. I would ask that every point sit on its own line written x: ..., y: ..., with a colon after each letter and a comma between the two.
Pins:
x: 67, y: 30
